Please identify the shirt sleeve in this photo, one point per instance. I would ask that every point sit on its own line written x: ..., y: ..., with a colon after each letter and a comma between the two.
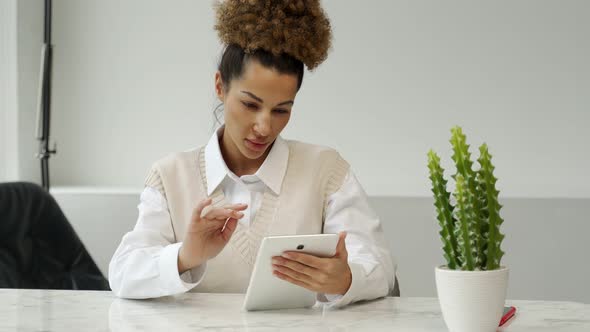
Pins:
x: 370, y: 261
x: 145, y: 265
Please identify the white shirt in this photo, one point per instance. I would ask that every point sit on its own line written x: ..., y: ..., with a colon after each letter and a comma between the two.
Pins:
x: 145, y: 263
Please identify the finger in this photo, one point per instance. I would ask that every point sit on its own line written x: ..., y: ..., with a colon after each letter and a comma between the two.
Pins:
x: 218, y: 213
x: 217, y: 219
x: 295, y: 266
x: 200, y: 206
x: 236, y: 207
x: 341, y: 246
x: 293, y: 281
x: 293, y: 273
x: 306, y: 259
x: 222, y: 217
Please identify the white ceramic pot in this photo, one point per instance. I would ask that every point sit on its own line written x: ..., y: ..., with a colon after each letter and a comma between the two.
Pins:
x: 471, y: 300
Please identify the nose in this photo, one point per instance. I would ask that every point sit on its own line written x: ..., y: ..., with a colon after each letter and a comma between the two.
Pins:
x: 262, y: 126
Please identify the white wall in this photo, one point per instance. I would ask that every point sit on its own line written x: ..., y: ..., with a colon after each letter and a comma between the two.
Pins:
x: 30, y: 41
x: 8, y: 91
x: 134, y: 81
x: 21, y: 29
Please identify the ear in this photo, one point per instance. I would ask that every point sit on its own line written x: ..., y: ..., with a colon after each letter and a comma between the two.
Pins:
x: 219, y: 91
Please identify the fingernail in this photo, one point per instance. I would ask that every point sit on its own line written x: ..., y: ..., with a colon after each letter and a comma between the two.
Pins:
x: 240, y: 214
x: 287, y: 255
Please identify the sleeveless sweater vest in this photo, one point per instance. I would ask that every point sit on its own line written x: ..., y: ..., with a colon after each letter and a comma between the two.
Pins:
x: 313, y: 174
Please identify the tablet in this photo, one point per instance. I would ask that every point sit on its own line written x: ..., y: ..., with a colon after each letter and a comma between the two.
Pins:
x: 267, y: 291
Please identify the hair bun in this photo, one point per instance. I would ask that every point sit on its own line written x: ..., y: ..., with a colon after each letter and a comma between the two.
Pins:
x: 298, y: 28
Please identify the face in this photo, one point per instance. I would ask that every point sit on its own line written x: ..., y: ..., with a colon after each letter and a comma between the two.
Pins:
x: 257, y: 107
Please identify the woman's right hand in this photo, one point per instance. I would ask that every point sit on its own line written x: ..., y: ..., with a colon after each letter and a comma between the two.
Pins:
x: 204, y: 238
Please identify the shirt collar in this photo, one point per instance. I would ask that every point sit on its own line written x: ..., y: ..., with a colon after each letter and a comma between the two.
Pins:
x: 271, y: 172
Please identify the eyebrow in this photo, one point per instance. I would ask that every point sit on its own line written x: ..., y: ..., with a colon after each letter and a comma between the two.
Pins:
x: 258, y: 99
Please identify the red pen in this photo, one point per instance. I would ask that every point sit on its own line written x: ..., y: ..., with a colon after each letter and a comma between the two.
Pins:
x: 508, y: 313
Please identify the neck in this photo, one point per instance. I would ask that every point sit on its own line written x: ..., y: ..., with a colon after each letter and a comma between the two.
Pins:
x: 235, y: 160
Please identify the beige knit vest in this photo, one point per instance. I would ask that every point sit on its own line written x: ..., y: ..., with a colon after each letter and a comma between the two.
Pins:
x: 313, y: 173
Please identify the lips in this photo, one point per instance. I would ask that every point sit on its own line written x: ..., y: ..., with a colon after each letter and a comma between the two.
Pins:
x: 255, y: 145
x: 256, y: 142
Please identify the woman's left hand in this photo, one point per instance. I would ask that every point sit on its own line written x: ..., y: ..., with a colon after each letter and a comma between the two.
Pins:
x: 330, y: 275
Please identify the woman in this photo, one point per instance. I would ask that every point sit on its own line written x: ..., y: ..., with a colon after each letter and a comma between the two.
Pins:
x: 204, y: 212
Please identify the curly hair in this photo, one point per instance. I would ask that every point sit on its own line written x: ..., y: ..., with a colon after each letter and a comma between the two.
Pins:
x: 298, y: 28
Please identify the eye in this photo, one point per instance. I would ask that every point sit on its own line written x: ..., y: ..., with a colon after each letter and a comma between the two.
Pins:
x: 251, y: 106
x: 281, y: 111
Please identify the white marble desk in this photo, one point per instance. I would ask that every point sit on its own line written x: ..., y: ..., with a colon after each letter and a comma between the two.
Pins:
x: 42, y: 310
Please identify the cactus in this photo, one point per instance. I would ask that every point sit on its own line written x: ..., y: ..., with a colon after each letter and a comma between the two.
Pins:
x: 487, y: 185
x: 466, y: 228
x: 470, y: 230
x: 462, y: 159
x: 444, y: 210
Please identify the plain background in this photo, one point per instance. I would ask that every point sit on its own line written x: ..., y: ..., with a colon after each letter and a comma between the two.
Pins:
x: 134, y: 82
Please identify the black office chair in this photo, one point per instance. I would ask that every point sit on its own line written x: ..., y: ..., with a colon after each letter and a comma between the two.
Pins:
x: 38, y: 246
